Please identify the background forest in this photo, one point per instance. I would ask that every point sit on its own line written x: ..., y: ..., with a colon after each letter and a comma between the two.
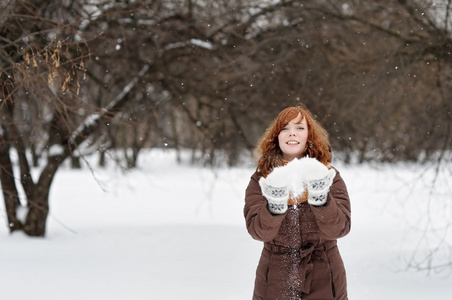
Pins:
x: 79, y: 77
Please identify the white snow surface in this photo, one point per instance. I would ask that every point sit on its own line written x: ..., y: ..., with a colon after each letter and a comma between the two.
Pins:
x: 177, y: 231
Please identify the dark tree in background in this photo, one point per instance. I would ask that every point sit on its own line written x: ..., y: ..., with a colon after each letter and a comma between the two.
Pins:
x: 47, y: 112
x: 116, y: 77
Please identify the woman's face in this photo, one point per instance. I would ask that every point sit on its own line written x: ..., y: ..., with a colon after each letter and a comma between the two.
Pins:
x: 293, y: 138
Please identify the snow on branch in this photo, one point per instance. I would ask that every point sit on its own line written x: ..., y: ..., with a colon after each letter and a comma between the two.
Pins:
x: 202, y: 44
x: 90, y: 122
x: 192, y: 42
x: 125, y: 90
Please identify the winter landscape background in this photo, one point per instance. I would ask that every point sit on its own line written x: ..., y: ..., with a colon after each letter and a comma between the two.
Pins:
x: 176, y: 231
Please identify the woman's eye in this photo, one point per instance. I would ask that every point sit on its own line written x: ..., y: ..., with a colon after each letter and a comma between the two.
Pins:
x: 285, y: 128
x: 301, y: 127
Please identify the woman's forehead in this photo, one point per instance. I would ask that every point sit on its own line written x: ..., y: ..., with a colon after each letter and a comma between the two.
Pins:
x: 298, y: 119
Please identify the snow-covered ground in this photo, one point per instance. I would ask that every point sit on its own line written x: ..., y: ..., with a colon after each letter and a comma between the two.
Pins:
x: 169, y: 231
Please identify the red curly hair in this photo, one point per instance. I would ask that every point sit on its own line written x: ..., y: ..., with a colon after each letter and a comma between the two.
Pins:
x: 269, y: 154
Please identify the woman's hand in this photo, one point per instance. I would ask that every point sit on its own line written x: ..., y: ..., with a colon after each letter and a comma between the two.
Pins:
x: 275, y: 190
x: 318, y: 179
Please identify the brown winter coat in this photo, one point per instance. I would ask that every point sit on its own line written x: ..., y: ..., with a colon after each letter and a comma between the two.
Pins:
x: 300, y: 258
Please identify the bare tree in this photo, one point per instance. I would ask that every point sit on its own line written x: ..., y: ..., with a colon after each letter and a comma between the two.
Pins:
x: 43, y: 102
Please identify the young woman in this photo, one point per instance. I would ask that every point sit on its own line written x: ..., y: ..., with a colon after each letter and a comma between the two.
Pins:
x: 298, y: 205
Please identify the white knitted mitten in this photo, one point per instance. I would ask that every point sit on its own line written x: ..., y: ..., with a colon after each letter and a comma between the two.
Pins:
x: 275, y: 190
x: 318, y: 179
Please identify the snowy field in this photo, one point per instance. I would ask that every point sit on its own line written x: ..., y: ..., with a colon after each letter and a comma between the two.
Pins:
x: 168, y: 231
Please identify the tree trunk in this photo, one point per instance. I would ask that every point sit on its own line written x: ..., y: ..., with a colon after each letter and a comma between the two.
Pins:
x: 35, y: 224
x: 38, y: 199
x: 10, y: 194
x: 101, y: 158
x: 75, y: 162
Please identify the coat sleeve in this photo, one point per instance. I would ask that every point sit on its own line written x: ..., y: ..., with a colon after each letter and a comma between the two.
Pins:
x: 260, y: 223
x: 334, y: 218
